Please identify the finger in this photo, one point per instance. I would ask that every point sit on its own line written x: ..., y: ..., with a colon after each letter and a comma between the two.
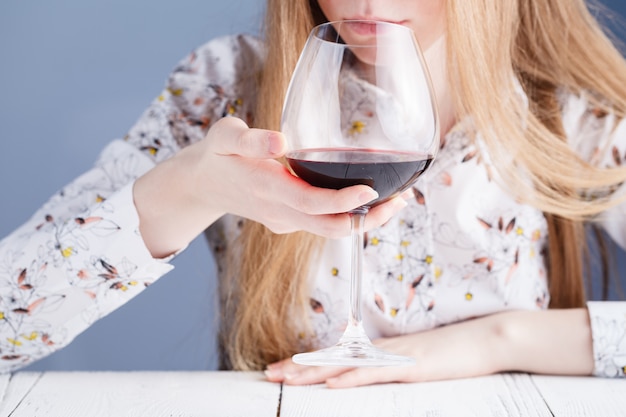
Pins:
x: 367, y: 376
x: 276, y: 371
x: 313, y: 374
x: 315, y: 201
x: 298, y: 195
x: 338, y: 225
x: 232, y: 136
x: 291, y: 372
x: 408, y: 194
x: 326, y: 216
x: 381, y: 214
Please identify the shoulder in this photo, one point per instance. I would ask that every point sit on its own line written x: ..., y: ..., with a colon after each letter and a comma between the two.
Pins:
x: 224, y: 57
x: 218, y: 78
x: 232, y: 49
x: 233, y: 44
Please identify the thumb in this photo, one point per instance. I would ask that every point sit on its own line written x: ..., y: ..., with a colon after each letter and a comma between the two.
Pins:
x: 232, y: 136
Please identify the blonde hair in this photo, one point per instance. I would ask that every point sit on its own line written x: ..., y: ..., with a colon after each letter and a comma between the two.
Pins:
x: 545, y: 44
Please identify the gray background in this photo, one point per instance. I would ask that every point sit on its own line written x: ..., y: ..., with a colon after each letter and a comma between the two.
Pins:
x: 75, y: 74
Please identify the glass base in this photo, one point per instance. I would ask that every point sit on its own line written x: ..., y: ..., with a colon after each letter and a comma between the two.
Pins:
x: 352, y: 354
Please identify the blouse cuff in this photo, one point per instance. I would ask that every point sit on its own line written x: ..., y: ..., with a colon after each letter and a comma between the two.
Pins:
x: 121, y: 208
x: 608, y: 331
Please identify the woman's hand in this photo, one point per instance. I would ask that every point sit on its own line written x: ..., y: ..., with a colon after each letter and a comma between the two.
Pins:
x: 234, y: 170
x: 549, y: 342
x: 454, y: 351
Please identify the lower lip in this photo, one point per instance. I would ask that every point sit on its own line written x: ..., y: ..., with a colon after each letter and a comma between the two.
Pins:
x: 366, y: 28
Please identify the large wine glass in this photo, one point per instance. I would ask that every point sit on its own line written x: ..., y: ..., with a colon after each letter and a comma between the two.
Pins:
x: 360, y: 110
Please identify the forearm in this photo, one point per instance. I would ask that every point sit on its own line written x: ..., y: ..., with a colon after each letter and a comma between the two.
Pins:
x: 546, y: 342
x: 77, y: 259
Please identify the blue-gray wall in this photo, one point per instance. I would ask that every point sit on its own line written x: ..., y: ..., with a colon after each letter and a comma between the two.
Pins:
x: 75, y: 74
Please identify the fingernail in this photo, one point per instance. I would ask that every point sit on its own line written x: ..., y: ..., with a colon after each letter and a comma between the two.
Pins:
x: 290, y: 376
x: 275, y: 144
x: 408, y: 194
x: 401, y: 203
x: 272, y: 372
x: 367, y: 196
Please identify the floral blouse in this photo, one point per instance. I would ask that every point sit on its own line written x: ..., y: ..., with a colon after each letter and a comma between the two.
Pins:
x: 462, y: 248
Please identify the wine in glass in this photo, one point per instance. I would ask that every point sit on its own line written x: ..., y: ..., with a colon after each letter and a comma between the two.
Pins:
x: 360, y: 109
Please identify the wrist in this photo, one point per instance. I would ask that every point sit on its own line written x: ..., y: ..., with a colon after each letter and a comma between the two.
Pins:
x: 546, y: 342
x: 503, y: 334
x: 171, y: 212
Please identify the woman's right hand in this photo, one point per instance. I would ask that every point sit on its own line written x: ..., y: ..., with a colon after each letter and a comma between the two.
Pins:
x: 234, y: 170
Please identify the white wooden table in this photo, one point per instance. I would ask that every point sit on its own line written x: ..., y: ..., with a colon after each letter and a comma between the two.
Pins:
x: 229, y: 394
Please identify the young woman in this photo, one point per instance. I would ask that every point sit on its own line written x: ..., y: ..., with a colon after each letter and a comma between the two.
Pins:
x: 459, y: 273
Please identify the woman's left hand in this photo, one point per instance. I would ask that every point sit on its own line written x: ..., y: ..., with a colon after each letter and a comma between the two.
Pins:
x: 553, y: 341
x: 454, y: 351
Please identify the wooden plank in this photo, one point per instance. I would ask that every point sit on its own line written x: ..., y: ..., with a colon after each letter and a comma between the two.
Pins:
x: 14, y: 388
x: 4, y: 385
x: 497, y: 395
x: 583, y: 396
x: 155, y: 394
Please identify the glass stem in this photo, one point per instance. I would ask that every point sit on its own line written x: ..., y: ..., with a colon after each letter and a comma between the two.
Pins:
x: 354, y: 333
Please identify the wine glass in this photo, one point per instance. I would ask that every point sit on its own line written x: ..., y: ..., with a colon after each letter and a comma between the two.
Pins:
x: 360, y: 109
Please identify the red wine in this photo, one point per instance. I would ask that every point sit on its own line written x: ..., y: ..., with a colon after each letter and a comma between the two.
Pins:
x: 387, y: 172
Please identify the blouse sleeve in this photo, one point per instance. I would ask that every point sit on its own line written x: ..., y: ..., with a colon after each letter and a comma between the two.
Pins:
x: 600, y: 138
x: 80, y: 256
x: 608, y: 329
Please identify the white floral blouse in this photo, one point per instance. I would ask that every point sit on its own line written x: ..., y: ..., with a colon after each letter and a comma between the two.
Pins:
x: 462, y: 248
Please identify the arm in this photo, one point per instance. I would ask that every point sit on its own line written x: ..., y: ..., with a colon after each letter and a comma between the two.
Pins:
x: 97, y: 243
x: 548, y: 342
x: 77, y: 259
x: 554, y: 342
x: 81, y: 255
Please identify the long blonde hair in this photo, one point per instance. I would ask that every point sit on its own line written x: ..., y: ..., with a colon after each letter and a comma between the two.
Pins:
x: 545, y: 44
